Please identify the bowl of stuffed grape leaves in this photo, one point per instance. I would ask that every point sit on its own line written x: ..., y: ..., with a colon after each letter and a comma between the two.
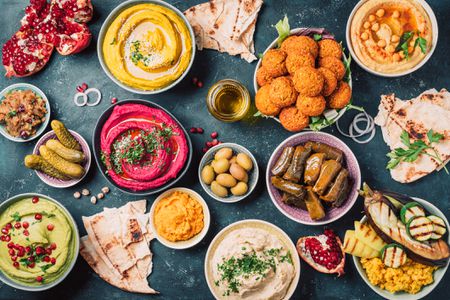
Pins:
x: 313, y: 178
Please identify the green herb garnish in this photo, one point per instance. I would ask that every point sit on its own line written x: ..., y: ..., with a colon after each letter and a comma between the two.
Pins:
x: 12, y: 113
x: 283, y: 29
x: 16, y: 216
x: 113, y: 41
x: 414, y: 150
x: 317, y: 37
x: 404, y: 42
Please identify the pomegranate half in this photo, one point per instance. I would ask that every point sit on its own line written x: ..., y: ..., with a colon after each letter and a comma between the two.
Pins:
x: 323, y: 252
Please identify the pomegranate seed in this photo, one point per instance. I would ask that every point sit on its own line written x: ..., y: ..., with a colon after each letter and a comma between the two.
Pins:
x: 208, y: 144
x: 2, y: 238
x: 16, y: 264
x: 84, y: 86
x: 53, y: 260
x: 200, y: 130
x: 80, y: 89
x: 39, y: 278
x: 46, y: 258
x: 25, y: 224
x: 35, y: 199
x: 205, y: 150
x: 113, y: 100
x: 193, y: 130
x: 17, y: 225
x: 20, y: 253
x: 5, y: 230
x: 40, y: 250
x: 26, y: 233
x: 48, y: 251
x: 31, y: 265
x: 50, y: 227
x: 214, y: 142
x: 194, y: 80
x: 31, y: 259
x: 11, y: 252
x: 28, y: 249
x: 214, y: 135
x: 8, y: 226
x: 14, y: 258
x: 7, y: 238
x: 10, y: 245
x: 200, y: 84
x: 38, y: 216
x: 53, y: 246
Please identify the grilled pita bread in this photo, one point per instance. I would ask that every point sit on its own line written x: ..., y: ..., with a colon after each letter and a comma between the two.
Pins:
x: 226, y: 26
x: 430, y: 110
x: 117, y: 246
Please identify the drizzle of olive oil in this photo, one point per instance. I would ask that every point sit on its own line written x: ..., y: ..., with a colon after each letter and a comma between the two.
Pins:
x: 229, y: 100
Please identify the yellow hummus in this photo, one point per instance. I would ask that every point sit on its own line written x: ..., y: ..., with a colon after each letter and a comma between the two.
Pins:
x: 379, y: 29
x: 178, y: 217
x: 40, y: 244
x: 147, y: 47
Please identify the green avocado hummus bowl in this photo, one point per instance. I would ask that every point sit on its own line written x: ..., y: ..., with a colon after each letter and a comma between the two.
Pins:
x: 39, y: 242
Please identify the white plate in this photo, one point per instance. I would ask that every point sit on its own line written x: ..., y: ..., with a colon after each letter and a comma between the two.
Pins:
x: 270, y: 228
x: 195, y: 239
x: 438, y: 274
x: 41, y: 128
x: 434, y: 26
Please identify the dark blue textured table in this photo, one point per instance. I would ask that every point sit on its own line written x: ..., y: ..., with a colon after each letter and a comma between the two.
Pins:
x: 179, y: 274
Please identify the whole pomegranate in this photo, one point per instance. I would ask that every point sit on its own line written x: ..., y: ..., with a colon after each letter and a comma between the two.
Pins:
x: 323, y: 252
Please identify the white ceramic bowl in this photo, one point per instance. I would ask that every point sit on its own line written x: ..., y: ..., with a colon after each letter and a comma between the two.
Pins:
x: 36, y: 90
x: 331, y: 114
x: 252, y: 223
x: 58, y: 183
x: 195, y: 239
x: 434, y: 27
x: 438, y: 274
x: 253, y: 175
x: 111, y: 17
x: 3, y: 206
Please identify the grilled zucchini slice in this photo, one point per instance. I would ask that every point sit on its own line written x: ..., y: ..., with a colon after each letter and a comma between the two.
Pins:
x: 411, y: 210
x: 393, y: 255
x: 420, y: 228
x: 439, y: 227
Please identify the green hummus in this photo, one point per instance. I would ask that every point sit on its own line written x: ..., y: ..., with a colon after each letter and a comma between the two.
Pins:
x: 37, y: 242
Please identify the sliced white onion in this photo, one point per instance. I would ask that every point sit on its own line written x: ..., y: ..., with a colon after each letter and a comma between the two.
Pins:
x: 77, y: 96
x: 354, y: 131
x: 96, y: 91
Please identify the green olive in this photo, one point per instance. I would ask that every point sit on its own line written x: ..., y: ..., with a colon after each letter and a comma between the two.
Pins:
x: 220, y: 165
x: 238, y: 172
x: 244, y: 161
x: 218, y: 190
x: 226, y: 180
x: 239, y: 189
x: 208, y: 174
x: 224, y: 153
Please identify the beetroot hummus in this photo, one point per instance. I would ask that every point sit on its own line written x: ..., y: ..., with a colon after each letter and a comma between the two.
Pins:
x: 142, y: 147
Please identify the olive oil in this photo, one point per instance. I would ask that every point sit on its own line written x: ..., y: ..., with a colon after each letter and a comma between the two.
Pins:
x: 228, y: 100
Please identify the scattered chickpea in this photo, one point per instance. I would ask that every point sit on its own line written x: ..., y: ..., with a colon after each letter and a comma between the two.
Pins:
x: 375, y: 27
x: 93, y: 200
x: 364, y: 36
x: 396, y: 14
x: 395, y: 38
x: 105, y: 190
x: 371, y: 18
x: 396, y: 57
x: 85, y: 192
x: 100, y: 195
x: 390, y: 49
x: 380, y: 13
x: 381, y: 43
x: 77, y: 195
x: 366, y: 25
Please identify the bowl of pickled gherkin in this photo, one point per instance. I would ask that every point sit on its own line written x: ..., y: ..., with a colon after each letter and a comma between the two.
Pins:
x: 313, y: 178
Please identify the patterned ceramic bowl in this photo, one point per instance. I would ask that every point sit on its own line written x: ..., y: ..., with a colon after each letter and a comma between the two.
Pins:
x: 58, y: 183
x: 350, y: 162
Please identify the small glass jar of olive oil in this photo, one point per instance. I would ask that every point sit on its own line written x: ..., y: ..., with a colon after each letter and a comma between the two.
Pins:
x: 228, y: 100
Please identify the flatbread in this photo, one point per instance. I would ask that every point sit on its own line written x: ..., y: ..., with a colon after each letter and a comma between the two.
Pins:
x: 226, y: 26
x: 430, y: 110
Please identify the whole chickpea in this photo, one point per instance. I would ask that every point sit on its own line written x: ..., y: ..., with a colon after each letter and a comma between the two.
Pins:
x: 380, y: 13
x: 396, y: 14
x: 381, y: 43
x: 375, y: 27
x: 364, y: 36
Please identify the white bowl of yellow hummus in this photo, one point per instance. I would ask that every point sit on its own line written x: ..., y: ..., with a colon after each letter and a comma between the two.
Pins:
x: 39, y: 242
x: 391, y: 38
x: 146, y: 46
x: 252, y: 259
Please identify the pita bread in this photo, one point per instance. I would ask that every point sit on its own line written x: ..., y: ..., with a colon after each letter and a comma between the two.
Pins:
x: 117, y: 246
x: 430, y: 110
x: 226, y: 26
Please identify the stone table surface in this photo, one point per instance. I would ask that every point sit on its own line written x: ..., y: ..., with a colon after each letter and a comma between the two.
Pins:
x: 179, y: 274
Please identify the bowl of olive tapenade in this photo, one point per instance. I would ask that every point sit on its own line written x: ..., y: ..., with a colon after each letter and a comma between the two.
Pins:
x: 313, y: 178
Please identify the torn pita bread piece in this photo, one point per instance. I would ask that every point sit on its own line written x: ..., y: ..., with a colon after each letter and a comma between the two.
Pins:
x: 226, y: 26
x: 429, y: 111
x: 117, y: 246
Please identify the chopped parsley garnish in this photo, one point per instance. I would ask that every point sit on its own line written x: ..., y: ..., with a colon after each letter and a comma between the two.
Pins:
x: 44, y: 268
x: 113, y: 41
x: 12, y: 113
x: 137, y: 56
x: 16, y: 216
x: 317, y: 37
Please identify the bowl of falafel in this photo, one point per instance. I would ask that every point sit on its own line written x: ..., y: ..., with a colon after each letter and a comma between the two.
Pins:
x: 303, y: 79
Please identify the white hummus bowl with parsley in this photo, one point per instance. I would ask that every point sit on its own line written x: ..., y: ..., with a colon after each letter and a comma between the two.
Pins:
x: 252, y: 259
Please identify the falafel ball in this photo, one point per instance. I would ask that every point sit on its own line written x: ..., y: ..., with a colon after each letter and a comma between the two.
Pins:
x: 334, y: 64
x: 263, y: 103
x: 274, y: 60
x: 282, y: 92
x: 300, y: 44
x: 295, y: 61
x: 330, y: 47
x: 341, y: 96
x: 330, y: 81
x: 292, y: 119
x: 263, y: 77
x: 308, y: 81
x: 311, y: 106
